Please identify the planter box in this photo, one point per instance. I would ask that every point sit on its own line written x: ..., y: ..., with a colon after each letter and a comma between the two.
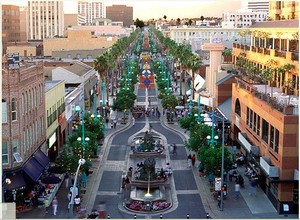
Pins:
x: 288, y: 110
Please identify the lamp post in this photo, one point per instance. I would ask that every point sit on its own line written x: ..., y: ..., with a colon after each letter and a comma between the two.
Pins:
x: 80, y: 163
x: 83, y: 139
x: 213, y: 141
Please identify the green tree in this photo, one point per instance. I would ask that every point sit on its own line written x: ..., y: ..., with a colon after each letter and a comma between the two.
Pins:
x: 169, y: 101
x: 165, y: 17
x: 194, y: 63
x: 139, y: 23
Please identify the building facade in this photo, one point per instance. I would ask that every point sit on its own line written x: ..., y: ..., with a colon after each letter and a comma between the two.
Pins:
x: 56, y: 121
x: 265, y: 109
x: 91, y: 10
x: 77, y: 40
x: 120, y: 13
x: 258, y: 5
x: 23, y: 126
x: 281, y: 10
x: 46, y: 19
x: 244, y: 18
x: 10, y: 25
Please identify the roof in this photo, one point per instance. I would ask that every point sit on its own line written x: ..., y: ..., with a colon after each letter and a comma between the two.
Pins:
x: 51, y: 84
x: 277, y: 24
x: 225, y: 108
x: 78, y: 68
x: 228, y: 76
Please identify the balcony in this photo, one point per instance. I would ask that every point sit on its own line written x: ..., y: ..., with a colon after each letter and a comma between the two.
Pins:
x: 295, y: 56
x: 265, y: 164
x: 280, y: 54
x: 267, y: 51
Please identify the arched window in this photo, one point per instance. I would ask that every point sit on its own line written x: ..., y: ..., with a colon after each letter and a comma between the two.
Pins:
x: 237, y: 108
x: 13, y: 109
x: 4, y: 111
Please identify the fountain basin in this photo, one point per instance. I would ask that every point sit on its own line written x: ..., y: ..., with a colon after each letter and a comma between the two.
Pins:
x: 139, y: 194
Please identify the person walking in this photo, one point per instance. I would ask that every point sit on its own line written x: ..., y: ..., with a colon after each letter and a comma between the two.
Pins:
x: 54, y: 205
x: 253, y: 186
x: 237, y: 188
x: 193, y: 160
x: 67, y: 179
x: 77, y: 202
x: 133, y: 120
x: 83, y: 179
x: 46, y: 204
x: 200, y: 168
x: 189, y: 160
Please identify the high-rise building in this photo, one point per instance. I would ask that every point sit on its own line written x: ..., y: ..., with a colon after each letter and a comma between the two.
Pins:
x: 10, y: 25
x: 46, y: 19
x: 120, y: 13
x: 284, y: 10
x: 24, y: 23
x: 91, y: 9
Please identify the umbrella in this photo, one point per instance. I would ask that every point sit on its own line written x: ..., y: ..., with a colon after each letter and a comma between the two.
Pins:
x: 179, y: 107
x: 55, y: 169
x: 51, y: 180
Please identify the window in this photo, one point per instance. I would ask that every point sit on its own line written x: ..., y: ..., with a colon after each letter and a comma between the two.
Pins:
x: 238, y: 108
x: 271, y: 137
x: 251, y: 119
x: 4, y: 111
x: 258, y: 125
x: 5, y: 152
x: 265, y: 130
x: 276, y: 142
x: 13, y: 109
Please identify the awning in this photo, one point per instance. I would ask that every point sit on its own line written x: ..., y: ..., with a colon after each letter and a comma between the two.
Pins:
x: 33, y: 169
x: 42, y: 158
x: 16, y: 181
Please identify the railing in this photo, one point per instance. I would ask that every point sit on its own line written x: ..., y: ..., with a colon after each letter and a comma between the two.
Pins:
x: 267, y: 51
x: 280, y: 53
x: 272, y: 101
x: 295, y: 56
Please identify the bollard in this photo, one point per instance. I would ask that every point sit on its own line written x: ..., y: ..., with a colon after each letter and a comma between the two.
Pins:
x: 134, y: 216
x: 207, y: 216
x: 160, y: 216
x: 188, y: 216
x: 108, y: 216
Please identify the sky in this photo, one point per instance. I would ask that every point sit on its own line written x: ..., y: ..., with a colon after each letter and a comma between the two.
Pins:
x: 148, y: 9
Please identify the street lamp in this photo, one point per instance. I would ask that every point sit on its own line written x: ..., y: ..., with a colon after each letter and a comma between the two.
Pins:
x: 223, y: 145
x: 82, y: 138
x: 80, y: 163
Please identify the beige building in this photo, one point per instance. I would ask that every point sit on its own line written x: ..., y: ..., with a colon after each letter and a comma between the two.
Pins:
x: 282, y: 10
x: 25, y: 50
x: 77, y: 40
x: 70, y: 20
x: 55, y: 116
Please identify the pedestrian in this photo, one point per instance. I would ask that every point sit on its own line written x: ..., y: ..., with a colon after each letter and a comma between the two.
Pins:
x: 67, y: 179
x: 149, y: 100
x: 77, y: 202
x: 237, y: 188
x: 133, y: 120
x: 193, y: 160
x: 174, y: 149
x: 189, y: 160
x: 200, y: 169
x: 115, y: 123
x: 230, y: 173
x: 54, y: 205
x: 46, y: 204
x: 253, y: 185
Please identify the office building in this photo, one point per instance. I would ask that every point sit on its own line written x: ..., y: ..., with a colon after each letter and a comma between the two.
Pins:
x: 91, y: 10
x: 46, y: 19
x: 282, y: 10
x: 120, y: 13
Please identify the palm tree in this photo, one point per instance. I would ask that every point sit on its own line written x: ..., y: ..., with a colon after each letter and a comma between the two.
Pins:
x: 165, y: 17
x: 202, y: 19
x: 194, y: 64
x: 178, y: 21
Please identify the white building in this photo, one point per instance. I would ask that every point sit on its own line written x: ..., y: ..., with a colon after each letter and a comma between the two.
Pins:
x: 197, y: 36
x: 91, y: 9
x: 258, y: 5
x: 46, y: 19
x: 244, y: 18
